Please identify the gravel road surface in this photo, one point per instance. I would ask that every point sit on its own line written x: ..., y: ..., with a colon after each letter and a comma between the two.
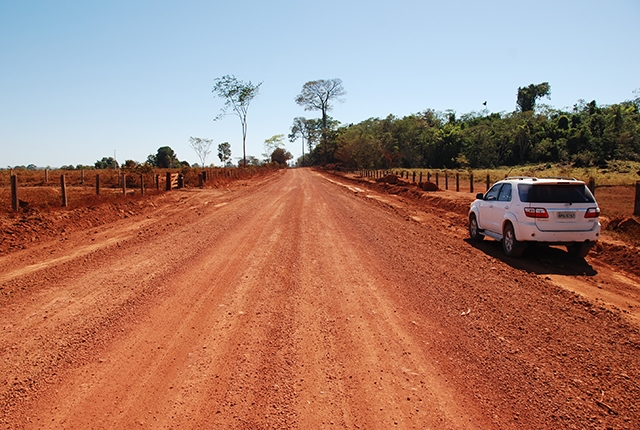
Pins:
x: 302, y: 301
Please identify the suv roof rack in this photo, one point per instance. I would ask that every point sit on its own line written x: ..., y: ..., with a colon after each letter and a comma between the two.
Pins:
x: 521, y: 177
x: 533, y: 178
x: 559, y: 178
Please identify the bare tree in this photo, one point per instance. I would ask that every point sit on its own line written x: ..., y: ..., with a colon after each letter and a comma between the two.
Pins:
x: 202, y: 147
x: 238, y: 96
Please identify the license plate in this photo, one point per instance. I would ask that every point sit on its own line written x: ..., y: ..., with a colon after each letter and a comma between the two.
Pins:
x: 566, y: 215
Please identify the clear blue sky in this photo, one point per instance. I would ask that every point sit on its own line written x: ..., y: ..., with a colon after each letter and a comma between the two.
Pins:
x: 80, y: 79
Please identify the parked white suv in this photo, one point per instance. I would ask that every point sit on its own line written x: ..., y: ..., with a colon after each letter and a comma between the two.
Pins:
x: 518, y: 210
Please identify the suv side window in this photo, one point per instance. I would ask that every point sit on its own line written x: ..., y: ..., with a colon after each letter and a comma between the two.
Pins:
x: 492, y: 194
x: 505, y: 193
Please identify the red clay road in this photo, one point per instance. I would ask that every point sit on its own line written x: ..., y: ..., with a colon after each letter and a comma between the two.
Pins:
x: 298, y: 302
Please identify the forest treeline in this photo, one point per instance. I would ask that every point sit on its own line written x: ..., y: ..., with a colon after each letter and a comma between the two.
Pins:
x: 586, y: 135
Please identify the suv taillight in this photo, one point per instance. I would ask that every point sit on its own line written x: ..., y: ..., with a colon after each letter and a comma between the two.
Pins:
x: 536, y: 212
x: 592, y: 213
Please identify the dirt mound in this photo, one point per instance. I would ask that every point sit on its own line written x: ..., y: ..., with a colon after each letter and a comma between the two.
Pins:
x: 619, y: 255
x: 627, y: 225
x: 392, y: 179
x: 428, y: 186
x: 19, y: 231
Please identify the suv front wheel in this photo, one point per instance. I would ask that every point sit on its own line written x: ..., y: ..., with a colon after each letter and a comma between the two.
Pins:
x: 474, y: 230
x: 511, y: 246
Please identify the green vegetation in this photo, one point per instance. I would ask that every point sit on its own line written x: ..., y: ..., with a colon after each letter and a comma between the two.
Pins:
x: 586, y: 136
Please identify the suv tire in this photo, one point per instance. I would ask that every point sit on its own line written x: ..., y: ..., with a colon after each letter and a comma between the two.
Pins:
x: 579, y: 250
x: 474, y: 231
x: 511, y: 246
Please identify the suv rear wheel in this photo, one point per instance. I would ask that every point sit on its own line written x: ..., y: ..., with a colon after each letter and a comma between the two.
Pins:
x: 579, y: 250
x: 510, y: 245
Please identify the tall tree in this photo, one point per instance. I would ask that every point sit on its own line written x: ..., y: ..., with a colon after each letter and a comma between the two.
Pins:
x: 237, y: 96
x: 319, y: 95
x: 202, y: 147
x: 305, y: 129
x: 527, y: 96
x: 224, y: 152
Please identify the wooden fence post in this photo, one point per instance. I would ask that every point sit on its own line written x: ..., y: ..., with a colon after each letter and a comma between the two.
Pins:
x: 471, y: 183
x: 124, y: 184
x: 437, y: 182
x: 446, y: 180
x: 46, y: 176
x: 201, y: 180
x: 457, y: 182
x: 82, y: 177
x: 636, y: 209
x: 15, y: 202
x: 592, y: 186
x: 180, y: 180
x: 142, y: 184
x: 157, y: 181
x: 420, y: 177
x: 168, y: 184
x: 98, y: 184
x: 63, y: 186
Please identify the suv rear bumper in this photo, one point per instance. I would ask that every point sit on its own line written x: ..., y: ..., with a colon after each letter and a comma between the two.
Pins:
x: 528, y: 232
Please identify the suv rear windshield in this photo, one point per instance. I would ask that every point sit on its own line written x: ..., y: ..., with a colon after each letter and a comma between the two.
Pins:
x: 555, y: 193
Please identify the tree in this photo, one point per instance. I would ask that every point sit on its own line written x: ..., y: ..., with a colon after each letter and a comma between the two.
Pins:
x: 272, y: 143
x: 106, y: 163
x: 130, y: 164
x: 164, y: 158
x: 318, y: 95
x: 224, y: 152
x: 307, y: 130
x: 201, y: 147
x: 527, y: 96
x: 281, y: 156
x: 237, y: 95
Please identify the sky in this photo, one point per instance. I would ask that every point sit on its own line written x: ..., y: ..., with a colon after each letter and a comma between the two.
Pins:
x: 83, y: 80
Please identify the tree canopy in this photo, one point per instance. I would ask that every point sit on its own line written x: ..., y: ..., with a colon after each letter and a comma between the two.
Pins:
x: 527, y: 96
x: 224, y: 152
x: 165, y: 158
x: 586, y: 135
x: 106, y: 163
x: 319, y: 95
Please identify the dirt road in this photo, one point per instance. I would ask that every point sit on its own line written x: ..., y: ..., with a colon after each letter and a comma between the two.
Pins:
x: 300, y: 302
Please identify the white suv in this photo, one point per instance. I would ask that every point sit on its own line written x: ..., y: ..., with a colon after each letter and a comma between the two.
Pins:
x: 554, y: 211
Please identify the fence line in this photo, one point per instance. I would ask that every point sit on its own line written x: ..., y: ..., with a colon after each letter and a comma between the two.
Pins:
x: 405, y: 174
x: 127, y: 182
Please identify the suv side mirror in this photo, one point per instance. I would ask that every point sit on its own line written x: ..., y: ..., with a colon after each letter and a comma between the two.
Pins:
x: 479, y: 196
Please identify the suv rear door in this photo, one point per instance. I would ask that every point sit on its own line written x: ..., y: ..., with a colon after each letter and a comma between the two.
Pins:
x: 566, y: 204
